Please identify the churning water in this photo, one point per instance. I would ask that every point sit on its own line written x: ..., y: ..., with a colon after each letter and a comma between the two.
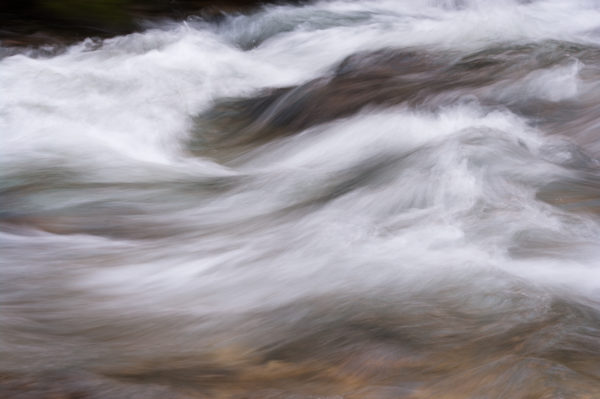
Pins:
x: 345, y: 199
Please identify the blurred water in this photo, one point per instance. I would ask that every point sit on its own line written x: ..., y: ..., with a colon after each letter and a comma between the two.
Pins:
x: 374, y: 199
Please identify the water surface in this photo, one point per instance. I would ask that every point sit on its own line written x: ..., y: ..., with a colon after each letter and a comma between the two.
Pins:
x: 374, y: 199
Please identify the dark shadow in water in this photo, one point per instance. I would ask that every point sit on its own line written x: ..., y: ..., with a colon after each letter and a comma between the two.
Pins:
x: 384, y: 78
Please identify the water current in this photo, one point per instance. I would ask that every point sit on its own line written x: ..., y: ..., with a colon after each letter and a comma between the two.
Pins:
x: 340, y: 199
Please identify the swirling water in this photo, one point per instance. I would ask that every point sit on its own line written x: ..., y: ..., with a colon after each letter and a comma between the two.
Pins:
x: 343, y: 199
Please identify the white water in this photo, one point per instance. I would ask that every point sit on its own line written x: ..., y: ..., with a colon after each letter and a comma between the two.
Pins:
x: 120, y: 248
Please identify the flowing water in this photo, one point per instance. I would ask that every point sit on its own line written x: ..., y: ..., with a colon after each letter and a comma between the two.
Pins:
x: 343, y: 199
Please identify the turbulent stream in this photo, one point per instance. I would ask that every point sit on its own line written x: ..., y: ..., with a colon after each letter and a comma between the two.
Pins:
x: 341, y: 199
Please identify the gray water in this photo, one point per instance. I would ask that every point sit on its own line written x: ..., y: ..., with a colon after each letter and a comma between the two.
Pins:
x: 345, y: 199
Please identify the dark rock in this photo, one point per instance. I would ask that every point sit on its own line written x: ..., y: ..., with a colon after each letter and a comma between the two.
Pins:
x: 37, y: 22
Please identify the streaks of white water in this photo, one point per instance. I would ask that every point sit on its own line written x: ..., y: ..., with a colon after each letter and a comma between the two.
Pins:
x: 135, y: 94
x: 445, y: 198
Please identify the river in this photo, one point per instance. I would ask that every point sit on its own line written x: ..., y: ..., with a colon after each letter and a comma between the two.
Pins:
x: 340, y: 199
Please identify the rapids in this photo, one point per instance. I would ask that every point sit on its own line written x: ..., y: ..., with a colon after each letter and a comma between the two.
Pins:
x: 341, y: 199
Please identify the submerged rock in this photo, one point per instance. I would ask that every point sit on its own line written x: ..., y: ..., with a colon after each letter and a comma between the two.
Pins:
x: 416, y: 78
